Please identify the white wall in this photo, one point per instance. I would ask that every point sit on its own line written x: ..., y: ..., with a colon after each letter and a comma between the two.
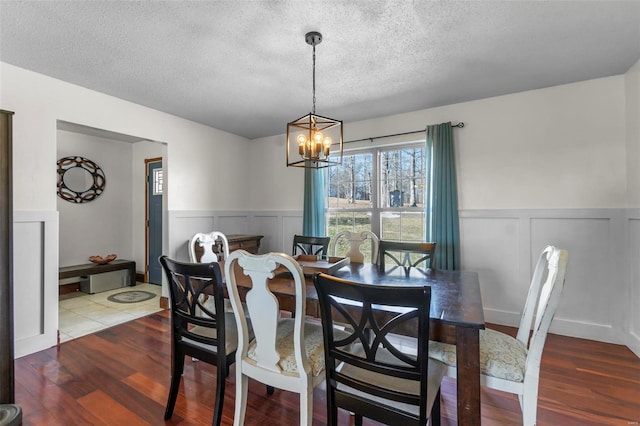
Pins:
x: 102, y: 226
x: 540, y: 167
x: 38, y: 102
x: 560, y: 147
x: 632, y: 91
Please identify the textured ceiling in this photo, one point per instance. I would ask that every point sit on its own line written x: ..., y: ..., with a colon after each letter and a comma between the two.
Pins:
x: 244, y: 67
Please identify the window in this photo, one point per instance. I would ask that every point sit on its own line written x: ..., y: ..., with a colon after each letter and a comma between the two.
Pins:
x: 382, y: 190
x: 157, y: 182
x: 351, y: 190
x: 402, y: 175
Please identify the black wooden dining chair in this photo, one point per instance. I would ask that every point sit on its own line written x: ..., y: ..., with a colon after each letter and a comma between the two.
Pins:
x: 303, y: 244
x: 407, y: 255
x: 196, y: 330
x: 376, y: 371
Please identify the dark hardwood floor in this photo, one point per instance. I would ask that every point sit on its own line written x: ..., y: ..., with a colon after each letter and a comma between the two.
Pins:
x: 120, y: 376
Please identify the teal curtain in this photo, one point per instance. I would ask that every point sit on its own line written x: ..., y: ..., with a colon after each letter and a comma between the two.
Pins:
x: 442, y: 197
x: 313, y: 222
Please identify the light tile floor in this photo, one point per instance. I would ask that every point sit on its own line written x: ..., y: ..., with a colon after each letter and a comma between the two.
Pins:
x: 81, y: 314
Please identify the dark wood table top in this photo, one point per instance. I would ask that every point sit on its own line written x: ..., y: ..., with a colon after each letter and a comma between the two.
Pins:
x: 455, y: 295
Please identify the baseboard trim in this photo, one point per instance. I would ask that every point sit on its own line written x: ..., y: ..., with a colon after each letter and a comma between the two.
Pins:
x: 633, y: 343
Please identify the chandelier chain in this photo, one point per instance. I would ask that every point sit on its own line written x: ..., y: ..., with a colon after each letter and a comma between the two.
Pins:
x: 314, y: 79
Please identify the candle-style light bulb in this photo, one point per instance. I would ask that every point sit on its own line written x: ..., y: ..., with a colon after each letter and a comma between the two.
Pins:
x: 309, y: 149
x: 316, y: 144
x: 327, y: 146
x: 302, y: 140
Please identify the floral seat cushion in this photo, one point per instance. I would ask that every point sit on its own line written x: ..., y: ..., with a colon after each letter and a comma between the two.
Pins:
x: 501, y: 355
x: 313, y: 343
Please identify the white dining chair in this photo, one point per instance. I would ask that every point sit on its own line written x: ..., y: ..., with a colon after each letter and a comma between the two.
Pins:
x: 355, y: 241
x: 512, y: 364
x: 286, y: 353
x: 207, y: 241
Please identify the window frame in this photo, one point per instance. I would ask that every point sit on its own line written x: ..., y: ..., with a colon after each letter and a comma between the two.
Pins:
x: 376, y: 211
x: 158, y: 181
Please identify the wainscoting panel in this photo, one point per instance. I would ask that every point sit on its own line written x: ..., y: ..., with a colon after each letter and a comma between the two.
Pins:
x: 184, y: 225
x: 633, y: 304
x: 29, y: 282
x: 592, y: 303
x: 503, y: 246
x: 35, y: 281
x: 492, y: 248
x: 267, y: 226
x: 592, y: 284
x: 600, y: 302
x: 234, y: 224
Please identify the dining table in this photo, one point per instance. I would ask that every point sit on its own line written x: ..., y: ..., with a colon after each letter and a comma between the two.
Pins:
x: 456, y: 313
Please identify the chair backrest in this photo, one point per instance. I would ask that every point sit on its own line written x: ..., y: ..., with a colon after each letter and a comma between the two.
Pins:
x: 543, y: 299
x: 371, y: 315
x: 310, y: 245
x: 355, y: 240
x: 394, y: 254
x: 262, y: 304
x: 205, y: 247
x: 187, y: 282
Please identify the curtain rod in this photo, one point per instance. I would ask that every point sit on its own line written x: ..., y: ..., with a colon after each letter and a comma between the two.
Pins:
x: 460, y: 125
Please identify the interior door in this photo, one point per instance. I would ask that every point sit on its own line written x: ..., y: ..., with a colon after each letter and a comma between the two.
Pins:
x: 155, y: 187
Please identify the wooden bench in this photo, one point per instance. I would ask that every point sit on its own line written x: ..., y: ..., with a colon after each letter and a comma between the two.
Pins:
x: 94, y: 268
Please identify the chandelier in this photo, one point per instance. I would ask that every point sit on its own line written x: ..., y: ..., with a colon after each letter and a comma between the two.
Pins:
x: 314, y: 141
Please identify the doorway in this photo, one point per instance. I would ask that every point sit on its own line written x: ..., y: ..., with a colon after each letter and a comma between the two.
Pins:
x: 119, y: 211
x: 153, y: 232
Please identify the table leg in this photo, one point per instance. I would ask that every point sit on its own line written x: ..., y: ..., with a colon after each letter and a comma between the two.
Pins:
x: 468, y: 360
